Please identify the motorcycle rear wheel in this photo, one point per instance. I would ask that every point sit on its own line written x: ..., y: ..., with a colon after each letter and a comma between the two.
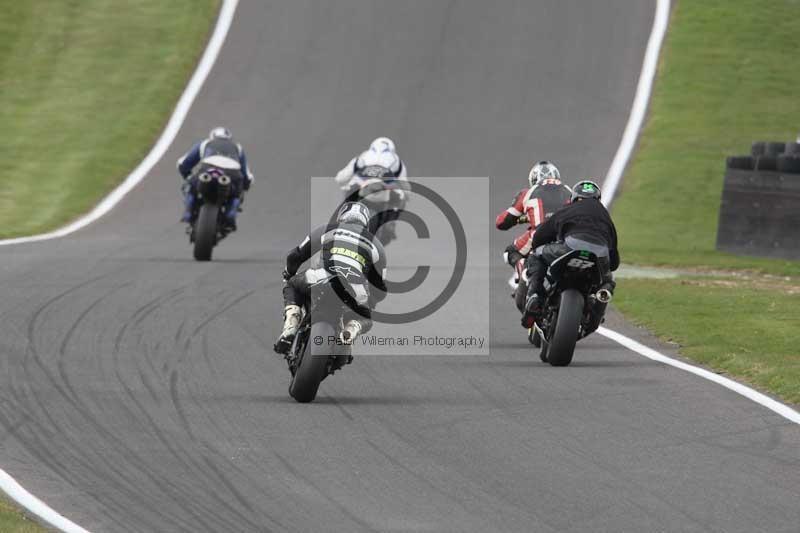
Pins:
x: 520, y: 295
x: 205, y: 232
x: 565, y: 332
x: 313, y: 363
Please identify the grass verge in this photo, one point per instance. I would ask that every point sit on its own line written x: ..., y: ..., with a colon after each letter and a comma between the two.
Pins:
x: 742, y: 327
x: 725, y: 79
x: 86, y: 86
x: 13, y: 521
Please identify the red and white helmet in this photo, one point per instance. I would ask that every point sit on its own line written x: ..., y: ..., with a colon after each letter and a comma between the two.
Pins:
x: 541, y: 171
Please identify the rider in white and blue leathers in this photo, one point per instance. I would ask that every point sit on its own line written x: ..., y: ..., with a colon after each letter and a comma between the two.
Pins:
x: 219, y: 143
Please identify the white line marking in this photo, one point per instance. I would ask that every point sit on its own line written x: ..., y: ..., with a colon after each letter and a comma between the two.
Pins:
x: 7, y: 483
x: 610, y: 185
x: 36, y: 506
x: 162, y: 145
x: 639, y: 109
x: 762, y: 399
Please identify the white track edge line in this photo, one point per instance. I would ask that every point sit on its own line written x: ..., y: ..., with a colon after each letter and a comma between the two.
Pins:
x: 179, y: 114
x: 36, y: 506
x: 639, y: 108
x: 610, y: 185
x: 751, y: 394
x: 8, y: 484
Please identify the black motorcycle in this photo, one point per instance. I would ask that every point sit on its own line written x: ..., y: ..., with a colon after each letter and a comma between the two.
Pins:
x: 575, y: 303
x: 318, y: 350
x: 214, y: 187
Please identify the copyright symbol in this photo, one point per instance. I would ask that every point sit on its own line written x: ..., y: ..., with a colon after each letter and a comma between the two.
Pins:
x: 415, y: 281
x: 318, y: 340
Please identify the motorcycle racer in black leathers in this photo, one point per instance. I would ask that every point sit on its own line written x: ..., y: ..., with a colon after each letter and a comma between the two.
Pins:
x: 585, y: 224
x: 349, y: 252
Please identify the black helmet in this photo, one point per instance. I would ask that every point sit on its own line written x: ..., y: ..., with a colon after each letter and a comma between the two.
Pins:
x: 585, y: 189
x: 353, y: 213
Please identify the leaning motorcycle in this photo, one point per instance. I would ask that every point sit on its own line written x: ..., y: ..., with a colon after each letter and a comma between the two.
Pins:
x: 574, y: 306
x: 318, y: 349
x: 214, y: 188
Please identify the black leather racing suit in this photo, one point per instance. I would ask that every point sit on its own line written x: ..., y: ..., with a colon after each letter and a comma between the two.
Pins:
x: 584, y: 224
x: 348, y: 252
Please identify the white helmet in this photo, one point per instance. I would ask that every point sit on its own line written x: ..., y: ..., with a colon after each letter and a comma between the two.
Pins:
x: 541, y: 171
x: 220, y: 133
x: 383, y: 144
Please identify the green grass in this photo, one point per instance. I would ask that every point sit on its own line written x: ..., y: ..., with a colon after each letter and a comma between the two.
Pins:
x: 728, y: 76
x: 739, y: 327
x: 13, y: 521
x: 86, y: 86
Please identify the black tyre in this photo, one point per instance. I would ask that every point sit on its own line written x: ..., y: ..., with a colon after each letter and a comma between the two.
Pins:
x: 520, y: 295
x: 757, y: 149
x: 767, y: 163
x: 205, y: 232
x: 313, y: 365
x: 565, y: 334
x: 741, y: 162
x: 792, y: 149
x: 789, y: 164
x: 774, y: 148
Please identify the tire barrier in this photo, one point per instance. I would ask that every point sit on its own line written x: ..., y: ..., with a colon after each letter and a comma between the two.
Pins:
x: 760, y: 206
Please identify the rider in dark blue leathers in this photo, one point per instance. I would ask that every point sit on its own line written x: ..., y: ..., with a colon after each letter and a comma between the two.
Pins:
x: 219, y: 143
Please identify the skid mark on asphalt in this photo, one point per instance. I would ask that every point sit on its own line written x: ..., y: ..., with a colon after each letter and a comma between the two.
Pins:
x: 199, y: 448
x: 62, y: 350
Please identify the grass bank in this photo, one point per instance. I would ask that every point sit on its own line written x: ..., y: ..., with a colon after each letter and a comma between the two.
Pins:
x: 13, y: 521
x: 727, y: 77
x: 742, y: 326
x: 86, y: 87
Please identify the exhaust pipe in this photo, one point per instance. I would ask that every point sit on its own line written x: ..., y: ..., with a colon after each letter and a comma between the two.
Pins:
x: 603, y: 296
x: 204, y: 177
x: 224, y: 180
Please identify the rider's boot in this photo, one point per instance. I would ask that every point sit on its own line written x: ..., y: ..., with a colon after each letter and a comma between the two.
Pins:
x: 188, y: 204
x: 535, y: 299
x: 533, y: 310
x: 350, y: 331
x: 291, y: 320
x: 231, y: 212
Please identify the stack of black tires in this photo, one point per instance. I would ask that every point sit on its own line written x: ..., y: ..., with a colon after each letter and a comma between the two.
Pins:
x: 760, y: 205
x: 769, y: 156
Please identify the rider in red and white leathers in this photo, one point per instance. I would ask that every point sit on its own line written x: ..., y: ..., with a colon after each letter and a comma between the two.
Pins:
x: 534, y: 205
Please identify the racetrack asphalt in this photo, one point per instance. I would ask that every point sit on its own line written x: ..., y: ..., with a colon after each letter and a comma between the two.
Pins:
x: 140, y: 391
